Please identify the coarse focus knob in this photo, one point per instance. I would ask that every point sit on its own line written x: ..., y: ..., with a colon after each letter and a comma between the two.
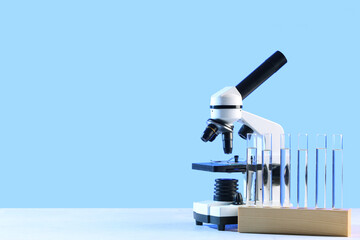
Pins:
x: 238, y: 199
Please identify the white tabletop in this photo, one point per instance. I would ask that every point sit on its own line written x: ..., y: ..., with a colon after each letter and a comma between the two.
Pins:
x: 120, y: 224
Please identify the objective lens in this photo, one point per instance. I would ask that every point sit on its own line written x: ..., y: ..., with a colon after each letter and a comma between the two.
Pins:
x: 209, y: 133
x: 244, y: 130
x: 227, y: 142
x: 213, y: 137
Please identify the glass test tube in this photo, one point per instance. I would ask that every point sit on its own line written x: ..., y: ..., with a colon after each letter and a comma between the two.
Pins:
x: 285, y: 158
x: 302, y: 171
x: 266, y: 169
x: 320, y: 183
x: 337, y: 171
x: 251, y: 167
x: 259, y: 177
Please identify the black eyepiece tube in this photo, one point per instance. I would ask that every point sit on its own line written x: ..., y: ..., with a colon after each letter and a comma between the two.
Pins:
x: 260, y: 74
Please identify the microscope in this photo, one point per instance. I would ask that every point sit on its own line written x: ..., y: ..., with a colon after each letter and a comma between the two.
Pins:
x: 226, y: 108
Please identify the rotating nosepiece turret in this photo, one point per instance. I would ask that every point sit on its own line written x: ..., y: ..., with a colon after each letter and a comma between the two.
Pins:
x: 225, y: 109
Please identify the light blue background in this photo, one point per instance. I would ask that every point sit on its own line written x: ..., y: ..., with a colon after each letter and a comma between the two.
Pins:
x: 103, y: 102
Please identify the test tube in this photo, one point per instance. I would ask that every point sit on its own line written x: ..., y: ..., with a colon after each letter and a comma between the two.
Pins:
x: 320, y: 186
x: 337, y: 171
x: 251, y: 168
x: 285, y: 169
x: 302, y: 171
x: 266, y: 169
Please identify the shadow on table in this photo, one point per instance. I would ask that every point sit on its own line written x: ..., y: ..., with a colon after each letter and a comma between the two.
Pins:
x: 355, y: 229
x: 229, y: 227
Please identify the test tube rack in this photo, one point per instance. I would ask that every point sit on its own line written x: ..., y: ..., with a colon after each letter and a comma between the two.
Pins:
x: 299, y: 221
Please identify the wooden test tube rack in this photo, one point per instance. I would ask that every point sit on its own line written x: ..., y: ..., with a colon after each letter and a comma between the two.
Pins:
x: 300, y: 221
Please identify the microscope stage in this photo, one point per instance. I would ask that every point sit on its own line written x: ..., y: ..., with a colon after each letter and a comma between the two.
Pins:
x: 220, y: 166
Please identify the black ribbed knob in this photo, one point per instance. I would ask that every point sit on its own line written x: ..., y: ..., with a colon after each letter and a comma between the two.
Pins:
x: 225, y: 189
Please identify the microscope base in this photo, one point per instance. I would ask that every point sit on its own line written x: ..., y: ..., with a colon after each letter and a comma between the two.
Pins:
x: 219, y: 213
x: 219, y: 221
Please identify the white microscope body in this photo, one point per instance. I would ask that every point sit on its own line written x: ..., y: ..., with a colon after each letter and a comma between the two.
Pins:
x: 226, y: 109
x: 230, y: 96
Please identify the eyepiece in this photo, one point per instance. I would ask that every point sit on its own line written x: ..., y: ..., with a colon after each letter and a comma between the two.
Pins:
x: 210, y: 133
x: 227, y: 142
x: 261, y: 74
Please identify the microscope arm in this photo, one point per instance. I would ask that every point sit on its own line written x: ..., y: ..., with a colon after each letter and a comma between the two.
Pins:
x: 262, y: 126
